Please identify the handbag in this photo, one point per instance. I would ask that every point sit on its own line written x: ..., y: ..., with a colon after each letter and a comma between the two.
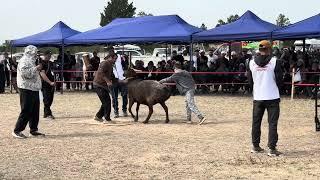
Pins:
x: 297, y: 76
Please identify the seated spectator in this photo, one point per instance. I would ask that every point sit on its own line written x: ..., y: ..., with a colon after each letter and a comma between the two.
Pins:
x: 139, y: 66
x: 161, y: 68
x: 151, y: 69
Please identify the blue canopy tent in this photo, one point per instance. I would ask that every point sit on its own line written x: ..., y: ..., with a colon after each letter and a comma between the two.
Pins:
x: 247, y: 27
x: 148, y: 29
x: 308, y: 28
x: 55, y: 36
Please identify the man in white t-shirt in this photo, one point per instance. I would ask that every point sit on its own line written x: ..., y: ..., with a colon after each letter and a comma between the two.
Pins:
x: 118, y: 72
x: 265, y: 76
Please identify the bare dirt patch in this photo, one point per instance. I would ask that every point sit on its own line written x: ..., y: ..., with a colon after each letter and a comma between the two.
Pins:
x: 78, y: 148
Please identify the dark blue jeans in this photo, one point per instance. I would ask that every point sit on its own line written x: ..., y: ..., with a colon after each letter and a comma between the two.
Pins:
x: 123, y: 89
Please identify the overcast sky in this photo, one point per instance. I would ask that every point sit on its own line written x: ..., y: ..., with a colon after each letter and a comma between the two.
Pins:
x: 20, y: 18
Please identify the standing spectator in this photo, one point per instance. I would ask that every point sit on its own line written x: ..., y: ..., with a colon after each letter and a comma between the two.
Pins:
x: 72, y: 59
x: 185, y: 85
x: 212, y: 60
x: 77, y: 75
x: 176, y: 57
x: 202, y: 67
x: 222, y: 66
x: 57, y: 75
x: 47, y: 85
x: 233, y: 62
x: 118, y: 72
x: 7, y: 61
x: 265, y: 76
x: 66, y: 68
x: 2, y: 77
x: 102, y: 81
x: 87, y: 71
x: 29, y: 83
x: 13, y: 68
x: 195, y: 59
x: 202, y: 62
x: 95, y: 61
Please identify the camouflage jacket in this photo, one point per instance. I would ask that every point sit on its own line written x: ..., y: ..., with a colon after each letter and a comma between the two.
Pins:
x: 28, y: 77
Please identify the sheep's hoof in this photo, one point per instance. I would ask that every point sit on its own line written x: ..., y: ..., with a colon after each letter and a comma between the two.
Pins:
x: 135, y: 119
x: 145, y: 122
x: 167, y: 121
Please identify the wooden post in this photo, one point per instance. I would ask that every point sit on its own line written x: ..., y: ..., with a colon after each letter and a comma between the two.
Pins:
x: 292, y: 83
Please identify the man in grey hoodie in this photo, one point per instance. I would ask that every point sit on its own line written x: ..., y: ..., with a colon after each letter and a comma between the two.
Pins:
x: 185, y: 85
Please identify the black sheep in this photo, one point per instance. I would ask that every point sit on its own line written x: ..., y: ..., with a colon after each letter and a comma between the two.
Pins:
x: 147, y: 92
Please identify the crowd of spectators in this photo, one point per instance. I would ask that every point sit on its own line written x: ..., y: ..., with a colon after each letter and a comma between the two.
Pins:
x: 229, y: 73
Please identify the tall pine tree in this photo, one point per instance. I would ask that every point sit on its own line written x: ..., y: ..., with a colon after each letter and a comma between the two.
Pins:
x: 117, y: 9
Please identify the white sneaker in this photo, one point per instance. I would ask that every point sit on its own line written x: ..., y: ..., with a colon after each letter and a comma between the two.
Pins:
x: 202, y: 120
x: 18, y: 135
x: 109, y: 122
x: 188, y: 122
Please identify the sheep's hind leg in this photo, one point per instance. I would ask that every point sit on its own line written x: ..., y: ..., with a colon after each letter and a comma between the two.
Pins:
x: 166, y: 110
x: 150, y: 113
x: 131, y: 102
x: 137, y: 110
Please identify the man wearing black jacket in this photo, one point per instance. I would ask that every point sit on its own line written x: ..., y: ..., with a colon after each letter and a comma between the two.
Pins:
x: 2, y: 76
x: 7, y: 62
x: 47, y: 85
x: 265, y: 76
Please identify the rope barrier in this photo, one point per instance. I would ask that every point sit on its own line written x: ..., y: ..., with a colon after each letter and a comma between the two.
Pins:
x: 170, y: 72
x: 197, y: 84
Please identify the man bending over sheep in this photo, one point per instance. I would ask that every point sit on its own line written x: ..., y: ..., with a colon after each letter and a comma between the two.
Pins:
x: 185, y: 85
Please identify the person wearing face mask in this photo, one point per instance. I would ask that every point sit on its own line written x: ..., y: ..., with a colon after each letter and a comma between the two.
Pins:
x: 186, y: 86
x: 29, y: 84
x: 265, y: 76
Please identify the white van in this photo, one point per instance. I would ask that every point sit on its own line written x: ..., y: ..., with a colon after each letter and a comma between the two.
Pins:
x: 311, y: 45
